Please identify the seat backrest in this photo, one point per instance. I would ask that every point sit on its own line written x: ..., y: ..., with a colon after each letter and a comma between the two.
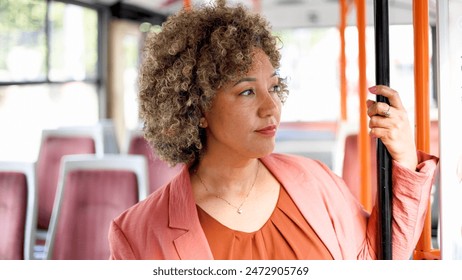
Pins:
x: 160, y: 172
x: 111, y: 145
x: 56, y: 143
x: 351, y: 166
x: 91, y: 192
x: 18, y: 210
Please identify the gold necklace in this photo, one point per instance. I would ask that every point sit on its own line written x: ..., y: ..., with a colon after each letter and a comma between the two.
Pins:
x: 238, y: 208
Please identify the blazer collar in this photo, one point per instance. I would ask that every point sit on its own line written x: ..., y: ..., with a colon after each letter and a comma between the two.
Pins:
x: 181, y: 201
x: 190, y: 242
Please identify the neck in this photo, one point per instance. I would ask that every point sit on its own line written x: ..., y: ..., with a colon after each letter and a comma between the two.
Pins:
x: 222, y: 177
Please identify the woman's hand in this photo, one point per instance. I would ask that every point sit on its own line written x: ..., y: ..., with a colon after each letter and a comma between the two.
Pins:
x: 391, y: 124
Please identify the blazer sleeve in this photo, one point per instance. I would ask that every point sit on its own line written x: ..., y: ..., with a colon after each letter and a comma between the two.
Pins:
x: 120, y: 248
x: 357, y: 230
x: 410, y: 199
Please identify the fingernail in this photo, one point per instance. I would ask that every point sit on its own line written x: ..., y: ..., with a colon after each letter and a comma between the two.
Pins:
x: 373, y: 89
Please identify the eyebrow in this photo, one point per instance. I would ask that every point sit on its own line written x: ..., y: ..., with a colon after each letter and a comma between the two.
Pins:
x: 250, y: 79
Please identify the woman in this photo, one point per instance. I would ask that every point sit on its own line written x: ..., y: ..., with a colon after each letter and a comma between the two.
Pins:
x: 211, y: 98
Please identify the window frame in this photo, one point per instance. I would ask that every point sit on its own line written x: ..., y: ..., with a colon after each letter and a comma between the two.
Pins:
x: 102, y: 14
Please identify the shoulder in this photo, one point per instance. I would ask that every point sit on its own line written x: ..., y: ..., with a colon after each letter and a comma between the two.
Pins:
x: 154, y: 207
x: 147, y: 229
x: 130, y: 232
x: 299, y: 170
x: 153, y: 213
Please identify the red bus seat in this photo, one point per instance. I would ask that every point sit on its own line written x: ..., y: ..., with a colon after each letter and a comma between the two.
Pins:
x: 56, y: 143
x: 18, y: 210
x: 92, y: 191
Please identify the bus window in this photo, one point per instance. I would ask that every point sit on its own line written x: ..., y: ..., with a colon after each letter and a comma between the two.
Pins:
x: 49, y: 76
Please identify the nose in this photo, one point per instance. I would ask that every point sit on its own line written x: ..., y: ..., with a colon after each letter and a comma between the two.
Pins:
x: 270, y: 104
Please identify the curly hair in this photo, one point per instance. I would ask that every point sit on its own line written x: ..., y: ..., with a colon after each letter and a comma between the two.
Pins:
x: 196, y: 52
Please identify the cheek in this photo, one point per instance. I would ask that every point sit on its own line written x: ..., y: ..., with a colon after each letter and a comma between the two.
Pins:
x: 279, y: 109
x: 222, y: 117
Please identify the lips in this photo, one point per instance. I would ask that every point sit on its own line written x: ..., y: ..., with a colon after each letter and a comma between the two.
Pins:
x: 269, y: 130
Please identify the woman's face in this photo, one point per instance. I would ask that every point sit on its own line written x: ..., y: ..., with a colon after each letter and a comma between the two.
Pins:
x: 245, y: 114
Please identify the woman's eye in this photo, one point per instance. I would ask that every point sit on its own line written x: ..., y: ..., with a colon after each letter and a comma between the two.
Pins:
x: 276, y: 89
x: 247, y: 92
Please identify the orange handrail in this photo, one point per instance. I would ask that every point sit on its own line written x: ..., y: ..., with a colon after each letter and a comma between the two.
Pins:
x: 363, y: 139
x: 187, y: 4
x: 424, y: 248
x: 257, y: 6
x: 342, y: 60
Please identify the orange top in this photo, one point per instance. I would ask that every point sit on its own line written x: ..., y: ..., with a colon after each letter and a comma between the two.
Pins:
x: 286, y: 235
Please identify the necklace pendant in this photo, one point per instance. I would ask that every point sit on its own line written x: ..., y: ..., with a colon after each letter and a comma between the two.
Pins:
x: 239, y: 211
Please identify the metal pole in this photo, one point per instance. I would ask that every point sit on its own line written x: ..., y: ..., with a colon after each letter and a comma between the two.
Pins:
x: 382, y: 73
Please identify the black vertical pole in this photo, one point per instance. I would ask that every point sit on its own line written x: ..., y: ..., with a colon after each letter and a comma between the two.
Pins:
x: 382, y: 74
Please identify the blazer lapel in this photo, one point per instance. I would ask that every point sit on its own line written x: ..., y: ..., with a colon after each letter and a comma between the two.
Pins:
x: 305, y: 191
x: 190, y: 241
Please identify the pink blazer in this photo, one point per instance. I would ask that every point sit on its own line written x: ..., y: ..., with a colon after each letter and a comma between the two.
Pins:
x: 166, y: 226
